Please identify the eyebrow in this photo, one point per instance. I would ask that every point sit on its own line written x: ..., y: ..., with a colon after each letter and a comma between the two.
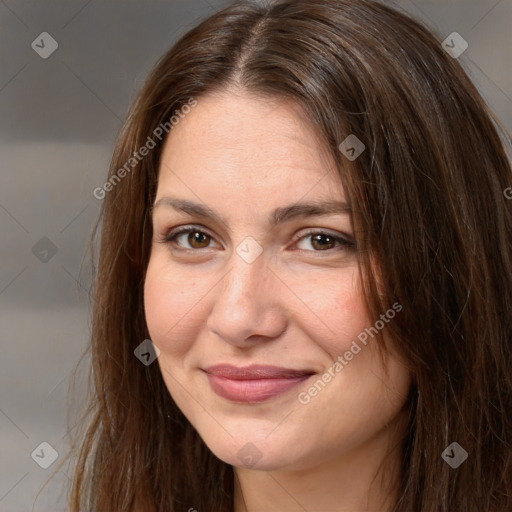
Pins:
x: 277, y: 216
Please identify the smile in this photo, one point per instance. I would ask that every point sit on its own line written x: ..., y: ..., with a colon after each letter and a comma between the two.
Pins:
x: 253, y: 384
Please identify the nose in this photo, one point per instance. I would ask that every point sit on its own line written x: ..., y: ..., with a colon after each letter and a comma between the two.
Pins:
x: 248, y: 309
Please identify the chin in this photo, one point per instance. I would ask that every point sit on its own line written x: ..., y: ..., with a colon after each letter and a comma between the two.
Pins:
x: 251, y: 452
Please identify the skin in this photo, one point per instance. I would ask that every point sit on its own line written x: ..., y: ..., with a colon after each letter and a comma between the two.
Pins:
x: 296, y: 305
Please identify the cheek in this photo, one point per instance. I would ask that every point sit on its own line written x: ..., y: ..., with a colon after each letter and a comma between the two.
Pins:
x: 171, y: 304
x: 337, y: 311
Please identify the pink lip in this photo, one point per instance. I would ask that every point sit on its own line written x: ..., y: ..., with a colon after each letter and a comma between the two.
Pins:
x: 254, y: 383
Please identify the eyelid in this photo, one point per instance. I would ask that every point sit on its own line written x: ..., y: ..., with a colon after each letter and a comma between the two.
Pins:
x: 172, y: 234
x: 345, y: 241
x: 324, y: 231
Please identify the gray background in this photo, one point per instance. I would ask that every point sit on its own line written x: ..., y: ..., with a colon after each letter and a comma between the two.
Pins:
x: 58, y: 121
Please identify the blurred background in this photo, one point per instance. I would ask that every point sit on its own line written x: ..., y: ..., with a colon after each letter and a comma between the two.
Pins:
x: 68, y: 72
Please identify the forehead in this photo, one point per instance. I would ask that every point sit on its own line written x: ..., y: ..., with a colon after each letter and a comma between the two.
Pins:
x: 236, y: 142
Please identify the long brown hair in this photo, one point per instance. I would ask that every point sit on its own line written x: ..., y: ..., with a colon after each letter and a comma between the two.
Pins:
x: 429, y: 209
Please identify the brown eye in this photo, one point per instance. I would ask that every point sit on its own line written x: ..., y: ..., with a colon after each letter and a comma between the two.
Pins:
x: 323, y: 241
x: 197, y: 239
x: 191, y: 238
x: 320, y: 241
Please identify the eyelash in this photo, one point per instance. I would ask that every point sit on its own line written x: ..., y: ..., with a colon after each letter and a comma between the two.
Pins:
x: 344, y: 244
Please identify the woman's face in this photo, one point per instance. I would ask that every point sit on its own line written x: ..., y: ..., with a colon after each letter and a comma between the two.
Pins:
x: 262, y: 280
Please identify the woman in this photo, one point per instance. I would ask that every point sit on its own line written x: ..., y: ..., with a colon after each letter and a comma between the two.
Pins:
x: 302, y: 296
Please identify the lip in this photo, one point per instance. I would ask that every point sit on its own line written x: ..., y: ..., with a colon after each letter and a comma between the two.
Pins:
x: 254, y: 383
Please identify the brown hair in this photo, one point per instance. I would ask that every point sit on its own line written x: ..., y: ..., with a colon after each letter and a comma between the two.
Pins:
x: 427, y: 196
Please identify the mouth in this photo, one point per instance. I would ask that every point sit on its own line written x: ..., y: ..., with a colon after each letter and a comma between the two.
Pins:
x: 255, y: 383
